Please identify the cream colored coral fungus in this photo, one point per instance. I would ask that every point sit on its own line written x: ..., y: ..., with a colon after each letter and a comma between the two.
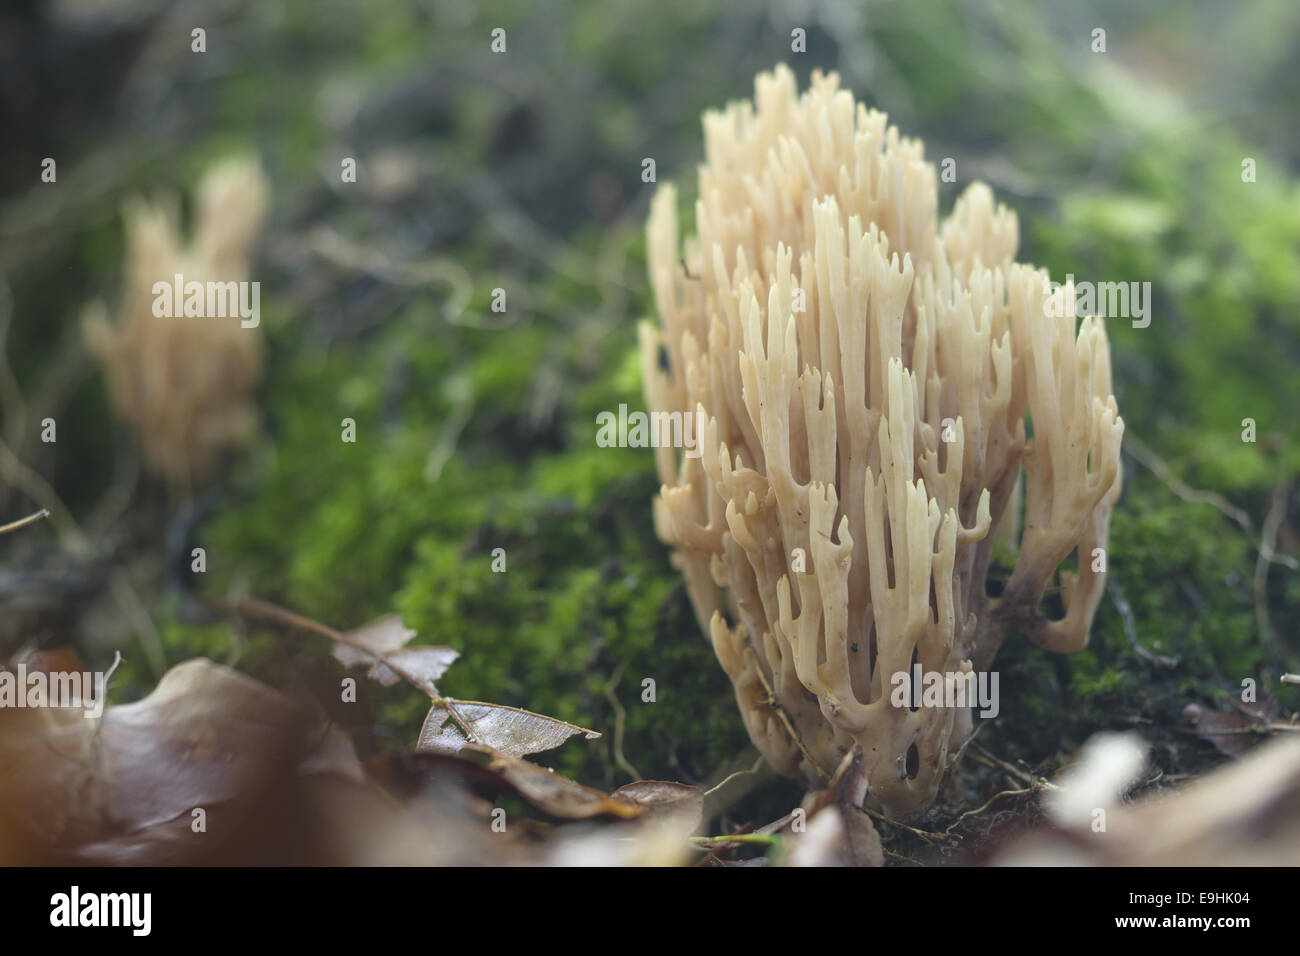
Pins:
x: 865, y: 373
x: 185, y: 382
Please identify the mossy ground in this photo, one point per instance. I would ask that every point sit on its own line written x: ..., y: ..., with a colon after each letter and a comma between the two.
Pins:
x: 476, y: 429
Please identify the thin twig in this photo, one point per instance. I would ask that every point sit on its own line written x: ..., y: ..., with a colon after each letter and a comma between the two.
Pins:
x: 517, y: 229
x: 1154, y: 463
x: 964, y: 744
x: 24, y: 522
x: 72, y: 537
x: 333, y: 247
x: 1260, y: 730
x: 739, y: 773
x: 620, y: 716
x: 988, y: 803
x: 255, y: 607
x: 781, y: 715
x: 11, y: 393
x: 448, y: 438
x: 1267, y: 554
x: 39, y: 490
x: 1130, y: 627
x: 714, y: 843
x: 1022, y: 775
x: 903, y: 857
x: 928, y: 835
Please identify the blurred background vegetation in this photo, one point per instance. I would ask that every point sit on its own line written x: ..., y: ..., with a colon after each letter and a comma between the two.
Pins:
x: 522, y: 171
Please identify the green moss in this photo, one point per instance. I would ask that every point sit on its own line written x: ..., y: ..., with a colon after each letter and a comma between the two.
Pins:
x: 1185, y: 571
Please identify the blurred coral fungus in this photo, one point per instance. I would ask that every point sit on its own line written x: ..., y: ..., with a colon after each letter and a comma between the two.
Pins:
x: 181, y: 369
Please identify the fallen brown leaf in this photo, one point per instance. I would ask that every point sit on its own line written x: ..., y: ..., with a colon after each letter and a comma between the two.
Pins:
x: 551, y: 792
x: 662, y: 799
x: 838, y: 832
x: 382, y: 645
x: 507, y: 730
x: 1233, y: 732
